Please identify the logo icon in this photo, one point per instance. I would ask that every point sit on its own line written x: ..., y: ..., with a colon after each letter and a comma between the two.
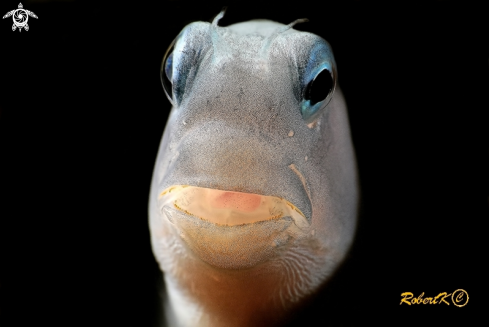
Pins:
x: 20, y: 17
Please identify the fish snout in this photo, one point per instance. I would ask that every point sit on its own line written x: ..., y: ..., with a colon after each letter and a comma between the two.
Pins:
x: 245, y: 172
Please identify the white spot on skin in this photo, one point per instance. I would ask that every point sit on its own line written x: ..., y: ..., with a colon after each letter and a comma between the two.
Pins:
x: 184, y: 122
x: 314, y: 124
x: 291, y: 133
x: 305, y: 159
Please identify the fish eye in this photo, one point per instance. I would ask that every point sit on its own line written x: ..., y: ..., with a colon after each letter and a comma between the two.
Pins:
x: 318, y: 80
x: 166, y: 72
x: 182, y: 61
x: 317, y: 94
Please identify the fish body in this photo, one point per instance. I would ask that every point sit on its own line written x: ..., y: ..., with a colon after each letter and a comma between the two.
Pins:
x: 254, y: 197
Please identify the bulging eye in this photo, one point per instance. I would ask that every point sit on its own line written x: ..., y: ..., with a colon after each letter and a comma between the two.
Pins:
x: 183, y: 60
x: 166, y: 72
x: 317, y: 94
x: 317, y: 79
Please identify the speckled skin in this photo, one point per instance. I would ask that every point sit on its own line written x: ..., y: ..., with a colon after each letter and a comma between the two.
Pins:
x: 230, y: 129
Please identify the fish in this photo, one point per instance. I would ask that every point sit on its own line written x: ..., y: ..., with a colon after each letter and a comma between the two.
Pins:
x: 254, y: 197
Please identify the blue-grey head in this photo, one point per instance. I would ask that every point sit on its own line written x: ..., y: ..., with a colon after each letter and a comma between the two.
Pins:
x: 256, y: 166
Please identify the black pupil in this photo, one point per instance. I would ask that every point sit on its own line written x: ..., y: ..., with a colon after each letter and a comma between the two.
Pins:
x: 318, y: 89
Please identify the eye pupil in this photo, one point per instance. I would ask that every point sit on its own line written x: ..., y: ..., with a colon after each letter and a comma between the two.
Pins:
x: 318, y: 89
x: 169, y: 66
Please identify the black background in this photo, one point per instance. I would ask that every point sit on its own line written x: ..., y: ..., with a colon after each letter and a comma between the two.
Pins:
x: 83, y: 111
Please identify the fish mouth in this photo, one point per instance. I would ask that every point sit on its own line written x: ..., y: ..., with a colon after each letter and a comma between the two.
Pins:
x: 229, y: 208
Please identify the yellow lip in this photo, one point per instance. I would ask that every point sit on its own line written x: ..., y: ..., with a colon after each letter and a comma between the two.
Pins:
x: 229, y: 208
